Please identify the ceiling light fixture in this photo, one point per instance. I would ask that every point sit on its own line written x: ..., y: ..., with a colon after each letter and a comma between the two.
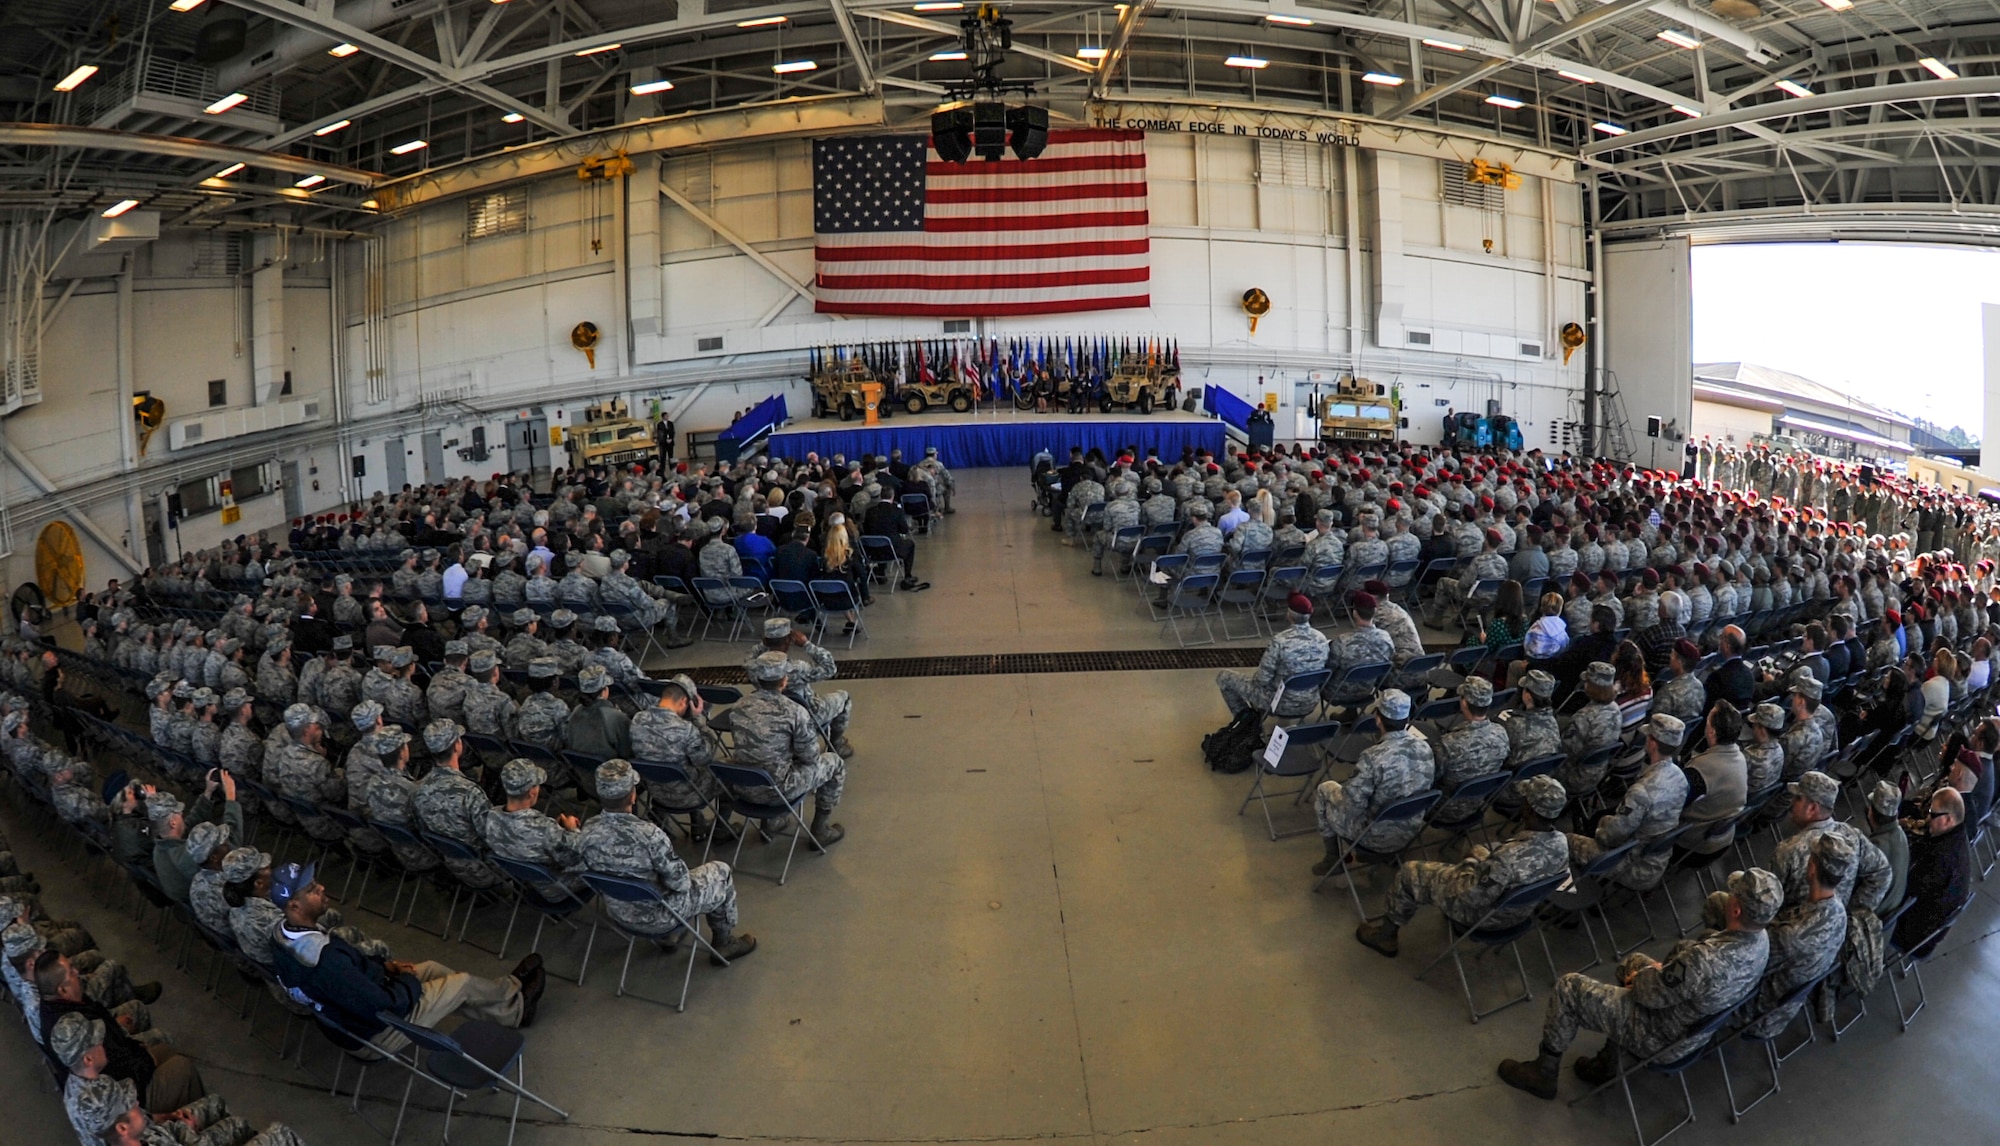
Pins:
x: 1931, y: 64
x: 225, y: 103
x: 1794, y: 88
x: 1679, y: 39
x: 1574, y: 77
x: 119, y: 208
x: 185, y: 5
x: 1690, y: 112
x: 1383, y: 79
x: 938, y: 6
x: 1838, y: 5
x: 1090, y: 53
x: 512, y: 117
x: 310, y: 181
x: 947, y: 55
x: 1609, y: 128
x: 330, y: 128
x: 762, y: 21
x: 1251, y: 62
x: 1508, y: 102
x: 652, y: 87
x: 228, y: 171
x: 342, y: 51
x: 598, y: 51
x: 1444, y: 45
x: 790, y: 66
x: 72, y: 81
x: 406, y: 148
x: 1294, y: 21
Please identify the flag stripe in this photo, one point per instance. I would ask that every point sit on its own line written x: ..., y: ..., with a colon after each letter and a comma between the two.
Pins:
x: 831, y: 251
x: 963, y: 310
x: 830, y: 272
x: 932, y: 283
x: 1019, y: 194
x: 1036, y: 222
x: 1002, y: 168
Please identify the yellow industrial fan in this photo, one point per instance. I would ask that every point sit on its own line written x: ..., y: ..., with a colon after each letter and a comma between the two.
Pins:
x: 59, y: 564
x: 148, y: 412
x: 1256, y: 304
x: 1572, y: 337
x: 584, y: 338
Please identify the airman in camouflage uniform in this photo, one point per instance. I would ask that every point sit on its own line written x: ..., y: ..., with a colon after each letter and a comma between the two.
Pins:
x: 519, y: 832
x: 445, y: 698
x: 1326, y: 548
x: 1655, y: 1005
x: 488, y: 711
x: 1466, y: 890
x: 1764, y: 754
x: 402, y: 701
x: 1596, y: 726
x: 303, y: 772
x: 1867, y: 879
x: 510, y: 587
x: 774, y: 733
x: 524, y: 645
x: 1650, y: 811
x: 1365, y: 553
x: 617, y: 842
x: 1297, y: 650
x: 1364, y: 644
x: 205, y: 738
x: 403, y: 582
x: 239, y: 750
x: 676, y: 731
x: 339, y: 688
x: 1076, y: 503
x: 543, y: 714
x: 1121, y: 512
x: 609, y: 656
x: 1398, y: 764
x: 472, y: 627
x: 449, y: 804
x: 1806, y: 740
x: 1474, y: 749
x: 564, y: 647
x: 1806, y: 936
x: 392, y: 798
x: 647, y: 601
x: 830, y: 709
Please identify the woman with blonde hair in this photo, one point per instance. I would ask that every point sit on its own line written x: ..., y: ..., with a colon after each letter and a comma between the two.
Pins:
x: 1262, y: 508
x: 843, y: 562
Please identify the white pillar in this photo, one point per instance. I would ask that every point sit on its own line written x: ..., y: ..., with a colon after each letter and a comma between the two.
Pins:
x: 1989, y: 437
x: 268, y: 351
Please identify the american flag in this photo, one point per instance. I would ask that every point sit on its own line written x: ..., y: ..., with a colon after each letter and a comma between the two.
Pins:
x: 897, y: 230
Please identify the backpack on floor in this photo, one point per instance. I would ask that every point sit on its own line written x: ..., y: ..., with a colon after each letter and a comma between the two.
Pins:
x: 1231, y: 747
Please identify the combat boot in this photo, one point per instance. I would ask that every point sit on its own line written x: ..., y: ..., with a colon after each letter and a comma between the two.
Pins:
x: 729, y: 945
x: 842, y: 746
x: 1599, y: 1068
x: 825, y: 833
x: 1332, y: 859
x: 1537, y: 1078
x: 1379, y: 935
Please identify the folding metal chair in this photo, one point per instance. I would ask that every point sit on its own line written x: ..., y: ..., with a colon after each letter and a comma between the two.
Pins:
x: 529, y: 880
x: 474, y: 1059
x: 1412, y: 807
x: 835, y: 597
x: 625, y: 890
x: 1772, y: 1056
x: 1305, y: 757
x: 452, y: 849
x: 664, y: 772
x: 797, y: 601
x: 1588, y: 890
x: 737, y: 779
x: 713, y: 599
x: 1704, y: 1037
x: 1189, y: 600
x: 1242, y: 590
x: 1901, y: 962
x: 1526, y: 899
x: 880, y: 554
x: 1169, y: 564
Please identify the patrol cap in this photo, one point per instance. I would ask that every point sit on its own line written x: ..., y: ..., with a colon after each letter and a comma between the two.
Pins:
x: 1539, y: 684
x: 544, y: 668
x: 605, y: 623
x: 592, y: 679
x: 1885, y: 799
x: 203, y: 697
x: 158, y: 685
x: 1769, y: 715
x: 365, y: 714
x: 769, y: 666
x: 615, y: 779
x: 1665, y: 730
x: 524, y: 617
x: 482, y: 661
x: 1759, y: 894
x: 19, y: 939
x: 1391, y: 704
x: 1477, y: 691
x: 343, y: 643
x: 204, y: 839
x: 386, y: 742
x: 381, y: 652
x: 562, y: 619
x: 1808, y: 686
x: 776, y: 627
x: 620, y: 559
x: 473, y: 615
x: 13, y: 721
x: 73, y: 1037
x: 517, y: 776
x: 1600, y: 673
x: 234, y: 699
x: 456, y: 649
x: 291, y: 880
x: 1545, y: 795
x: 183, y: 690
x: 1836, y: 855
x: 402, y: 656
x: 242, y: 863
x: 440, y: 735
x: 228, y: 646
x: 406, y: 554
x: 97, y: 1104
x: 340, y: 579
x: 161, y: 805
x: 1818, y: 787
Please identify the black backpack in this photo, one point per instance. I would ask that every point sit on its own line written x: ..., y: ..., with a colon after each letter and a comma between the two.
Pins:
x: 1231, y: 747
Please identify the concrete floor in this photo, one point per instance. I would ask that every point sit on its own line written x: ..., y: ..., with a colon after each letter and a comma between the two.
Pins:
x: 1047, y: 922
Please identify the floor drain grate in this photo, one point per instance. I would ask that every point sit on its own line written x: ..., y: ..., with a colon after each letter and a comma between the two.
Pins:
x: 1012, y: 664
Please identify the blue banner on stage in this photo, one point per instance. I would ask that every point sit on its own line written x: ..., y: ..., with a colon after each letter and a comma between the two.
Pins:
x: 1215, y: 400
x: 1005, y: 443
x: 756, y: 421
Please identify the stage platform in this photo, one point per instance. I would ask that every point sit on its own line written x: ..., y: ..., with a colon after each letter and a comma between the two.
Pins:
x: 1009, y: 438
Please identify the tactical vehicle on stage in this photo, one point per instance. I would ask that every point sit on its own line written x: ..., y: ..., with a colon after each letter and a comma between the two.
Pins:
x: 1141, y: 384
x: 837, y: 391
x: 916, y: 397
x: 1359, y: 411
x: 608, y: 436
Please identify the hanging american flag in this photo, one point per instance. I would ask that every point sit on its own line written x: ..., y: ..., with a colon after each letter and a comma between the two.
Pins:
x: 899, y: 231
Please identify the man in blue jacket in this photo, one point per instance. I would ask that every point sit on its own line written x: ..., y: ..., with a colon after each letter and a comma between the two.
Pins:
x: 355, y: 988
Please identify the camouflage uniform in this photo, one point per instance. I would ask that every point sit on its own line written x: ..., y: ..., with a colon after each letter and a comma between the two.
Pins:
x: 1466, y: 753
x: 1081, y: 497
x: 1681, y: 697
x: 619, y: 843
x: 1805, y: 742
x: 1396, y: 621
x: 449, y: 804
x: 660, y: 736
x: 830, y: 709
x: 1398, y: 765
x: 1463, y: 891
x: 1863, y: 887
x: 488, y: 711
x: 305, y: 774
x: 1806, y: 938
x: 1697, y: 979
x: 1295, y: 650
x: 1325, y: 549
x: 773, y: 733
x: 1594, y: 727
x: 530, y: 836
x: 1358, y: 646
x: 446, y: 696
x: 1650, y: 811
x: 392, y: 801
x: 1121, y: 512
x: 523, y: 648
x: 541, y: 720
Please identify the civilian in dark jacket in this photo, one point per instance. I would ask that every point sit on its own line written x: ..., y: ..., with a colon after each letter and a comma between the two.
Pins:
x: 1940, y: 872
x: 1599, y: 644
x: 886, y: 519
x: 796, y: 561
x: 1733, y: 680
x: 165, y: 1079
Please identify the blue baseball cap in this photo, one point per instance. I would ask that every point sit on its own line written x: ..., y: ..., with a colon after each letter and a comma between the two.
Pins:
x: 290, y: 880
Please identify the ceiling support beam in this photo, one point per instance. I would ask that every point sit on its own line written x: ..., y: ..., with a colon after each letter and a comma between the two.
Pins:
x: 1560, y: 34
x: 37, y: 135
x: 1114, y: 53
x: 741, y: 244
x: 892, y: 16
x: 863, y: 69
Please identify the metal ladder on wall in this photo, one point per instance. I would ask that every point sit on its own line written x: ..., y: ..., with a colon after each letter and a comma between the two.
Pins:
x: 1614, y: 429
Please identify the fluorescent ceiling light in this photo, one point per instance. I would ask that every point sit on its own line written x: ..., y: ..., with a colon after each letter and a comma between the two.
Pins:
x: 938, y: 6
x: 119, y: 208
x: 1680, y: 39
x: 185, y: 5
x: 373, y: 204
x: 1838, y: 5
x: 1574, y: 77
x: 1383, y: 78
x: 762, y: 21
x: 310, y: 181
x: 406, y: 148
x: 1444, y: 45
x: 1294, y: 21
x: 337, y: 125
x: 598, y: 51
x: 1508, y: 102
x: 1609, y: 128
x: 228, y: 171
x: 1793, y: 88
x: 1251, y: 62
x: 225, y: 103
x: 947, y: 55
x: 794, y: 66
x: 70, y: 82
x: 652, y: 87
x: 512, y: 117
x: 1931, y: 64
x: 1090, y: 53
x: 1690, y: 112
x: 342, y: 51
